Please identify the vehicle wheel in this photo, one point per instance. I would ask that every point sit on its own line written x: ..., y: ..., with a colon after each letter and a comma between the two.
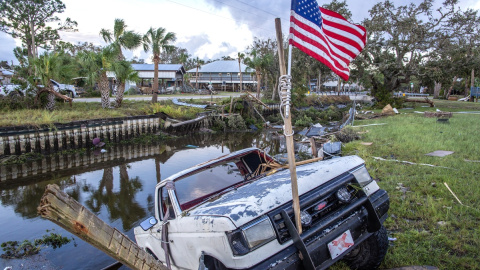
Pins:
x: 370, y: 253
x: 15, y: 95
x: 214, y: 264
x: 69, y: 94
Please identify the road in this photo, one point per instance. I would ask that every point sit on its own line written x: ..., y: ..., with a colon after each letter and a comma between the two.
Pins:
x: 160, y: 97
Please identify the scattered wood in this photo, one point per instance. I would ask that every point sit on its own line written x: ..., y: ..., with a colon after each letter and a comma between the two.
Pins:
x: 452, y: 193
x: 69, y: 214
x: 256, y: 100
x: 426, y: 100
x: 366, y: 143
x: 314, y: 147
x: 438, y: 114
x: 379, y: 124
x: 416, y: 267
x: 411, y: 163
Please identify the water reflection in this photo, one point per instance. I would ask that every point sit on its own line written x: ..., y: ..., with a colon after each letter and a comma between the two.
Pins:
x: 118, y: 186
x: 120, y: 205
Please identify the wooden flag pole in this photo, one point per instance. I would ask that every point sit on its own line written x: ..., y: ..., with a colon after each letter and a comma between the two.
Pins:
x: 288, y: 130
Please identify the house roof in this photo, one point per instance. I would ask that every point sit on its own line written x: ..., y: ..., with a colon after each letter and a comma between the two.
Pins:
x: 161, y: 67
x: 230, y: 66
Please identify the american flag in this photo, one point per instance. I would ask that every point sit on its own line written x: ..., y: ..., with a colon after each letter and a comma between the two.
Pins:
x: 325, y: 35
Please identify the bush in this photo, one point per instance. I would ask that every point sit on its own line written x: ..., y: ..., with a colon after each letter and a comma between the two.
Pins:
x: 131, y: 91
x: 236, y: 122
x: 304, y: 121
x: 347, y: 135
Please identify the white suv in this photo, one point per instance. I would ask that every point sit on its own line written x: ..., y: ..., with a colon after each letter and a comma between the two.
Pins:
x: 13, y: 89
x: 235, y: 212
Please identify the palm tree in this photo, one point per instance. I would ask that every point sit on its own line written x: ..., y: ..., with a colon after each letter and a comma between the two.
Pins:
x: 259, y: 63
x: 50, y: 66
x: 241, y: 56
x: 123, y: 72
x: 95, y: 67
x: 198, y: 63
x: 120, y: 39
x: 183, y: 59
x: 157, y: 40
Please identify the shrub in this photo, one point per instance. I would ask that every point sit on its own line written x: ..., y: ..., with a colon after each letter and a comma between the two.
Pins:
x: 236, y: 122
x: 347, y: 135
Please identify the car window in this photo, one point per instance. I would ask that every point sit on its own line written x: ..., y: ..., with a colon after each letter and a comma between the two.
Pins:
x: 206, y: 183
x: 165, y: 204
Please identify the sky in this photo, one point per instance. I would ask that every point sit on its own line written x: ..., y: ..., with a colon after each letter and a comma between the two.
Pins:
x: 208, y: 29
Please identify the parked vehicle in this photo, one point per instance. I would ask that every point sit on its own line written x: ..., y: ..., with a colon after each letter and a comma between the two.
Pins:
x: 235, y: 212
x: 66, y: 89
x: 13, y: 89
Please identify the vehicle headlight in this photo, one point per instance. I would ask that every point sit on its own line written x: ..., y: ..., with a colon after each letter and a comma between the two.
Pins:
x: 251, y: 236
x: 362, y: 176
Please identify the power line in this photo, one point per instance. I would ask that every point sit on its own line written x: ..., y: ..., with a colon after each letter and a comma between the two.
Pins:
x: 268, y: 12
x: 246, y: 11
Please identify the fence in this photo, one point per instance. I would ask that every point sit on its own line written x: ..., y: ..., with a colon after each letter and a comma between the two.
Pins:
x: 48, y: 139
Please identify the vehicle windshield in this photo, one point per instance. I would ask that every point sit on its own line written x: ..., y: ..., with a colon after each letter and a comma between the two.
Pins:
x: 210, y: 181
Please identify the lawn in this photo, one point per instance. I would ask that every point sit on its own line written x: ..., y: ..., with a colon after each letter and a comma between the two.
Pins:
x: 430, y: 226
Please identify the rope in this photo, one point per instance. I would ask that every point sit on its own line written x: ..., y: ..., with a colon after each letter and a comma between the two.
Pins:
x: 284, y: 92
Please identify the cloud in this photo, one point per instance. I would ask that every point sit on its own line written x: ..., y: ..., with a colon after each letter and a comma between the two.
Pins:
x: 6, y: 50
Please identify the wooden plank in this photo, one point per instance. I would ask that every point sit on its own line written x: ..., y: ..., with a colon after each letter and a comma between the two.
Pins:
x: 63, y: 210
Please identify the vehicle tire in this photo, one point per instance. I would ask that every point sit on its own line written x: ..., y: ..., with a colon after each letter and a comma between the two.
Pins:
x: 370, y: 253
x: 214, y: 264
x: 15, y: 95
x: 69, y: 94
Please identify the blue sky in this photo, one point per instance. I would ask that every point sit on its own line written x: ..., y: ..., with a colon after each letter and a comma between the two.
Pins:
x: 209, y: 29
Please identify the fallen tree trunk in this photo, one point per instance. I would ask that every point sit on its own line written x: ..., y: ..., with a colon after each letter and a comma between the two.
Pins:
x: 65, y: 98
x: 421, y: 101
x: 63, y: 210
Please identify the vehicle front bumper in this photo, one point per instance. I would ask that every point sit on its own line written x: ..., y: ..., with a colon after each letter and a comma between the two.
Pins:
x: 359, y: 223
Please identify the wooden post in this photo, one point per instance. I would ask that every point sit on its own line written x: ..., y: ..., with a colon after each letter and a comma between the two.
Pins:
x: 288, y: 130
x: 63, y: 210
x: 314, y: 147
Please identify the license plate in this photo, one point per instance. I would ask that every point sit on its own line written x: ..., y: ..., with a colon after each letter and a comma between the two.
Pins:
x: 340, y: 244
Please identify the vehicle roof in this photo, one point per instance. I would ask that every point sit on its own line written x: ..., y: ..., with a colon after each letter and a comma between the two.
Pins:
x: 257, y: 198
x: 204, y: 165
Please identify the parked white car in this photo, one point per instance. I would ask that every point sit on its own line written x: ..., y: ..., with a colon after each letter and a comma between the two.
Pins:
x: 13, y: 89
x: 235, y: 212
x: 66, y: 89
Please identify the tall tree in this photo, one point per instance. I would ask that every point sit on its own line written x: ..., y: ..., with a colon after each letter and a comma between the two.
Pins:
x: 120, y: 38
x: 400, y: 39
x: 157, y: 40
x: 241, y: 56
x: 259, y: 63
x: 48, y: 67
x: 95, y: 67
x: 198, y: 63
x: 31, y: 20
x: 123, y: 72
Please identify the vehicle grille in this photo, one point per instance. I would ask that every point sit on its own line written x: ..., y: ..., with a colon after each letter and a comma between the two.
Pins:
x: 319, y: 203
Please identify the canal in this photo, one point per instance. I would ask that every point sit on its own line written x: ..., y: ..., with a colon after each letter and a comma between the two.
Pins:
x: 117, y: 184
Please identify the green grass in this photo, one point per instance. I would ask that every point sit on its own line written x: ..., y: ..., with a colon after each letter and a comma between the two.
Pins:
x: 431, y: 227
x: 63, y: 113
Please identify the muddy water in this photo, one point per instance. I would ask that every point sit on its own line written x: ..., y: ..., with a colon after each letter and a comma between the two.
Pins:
x: 119, y: 188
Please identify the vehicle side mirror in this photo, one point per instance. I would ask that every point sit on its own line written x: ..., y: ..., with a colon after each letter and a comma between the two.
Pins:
x: 148, y: 223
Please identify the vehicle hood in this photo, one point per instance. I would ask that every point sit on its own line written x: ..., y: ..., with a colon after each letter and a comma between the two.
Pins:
x: 259, y: 197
